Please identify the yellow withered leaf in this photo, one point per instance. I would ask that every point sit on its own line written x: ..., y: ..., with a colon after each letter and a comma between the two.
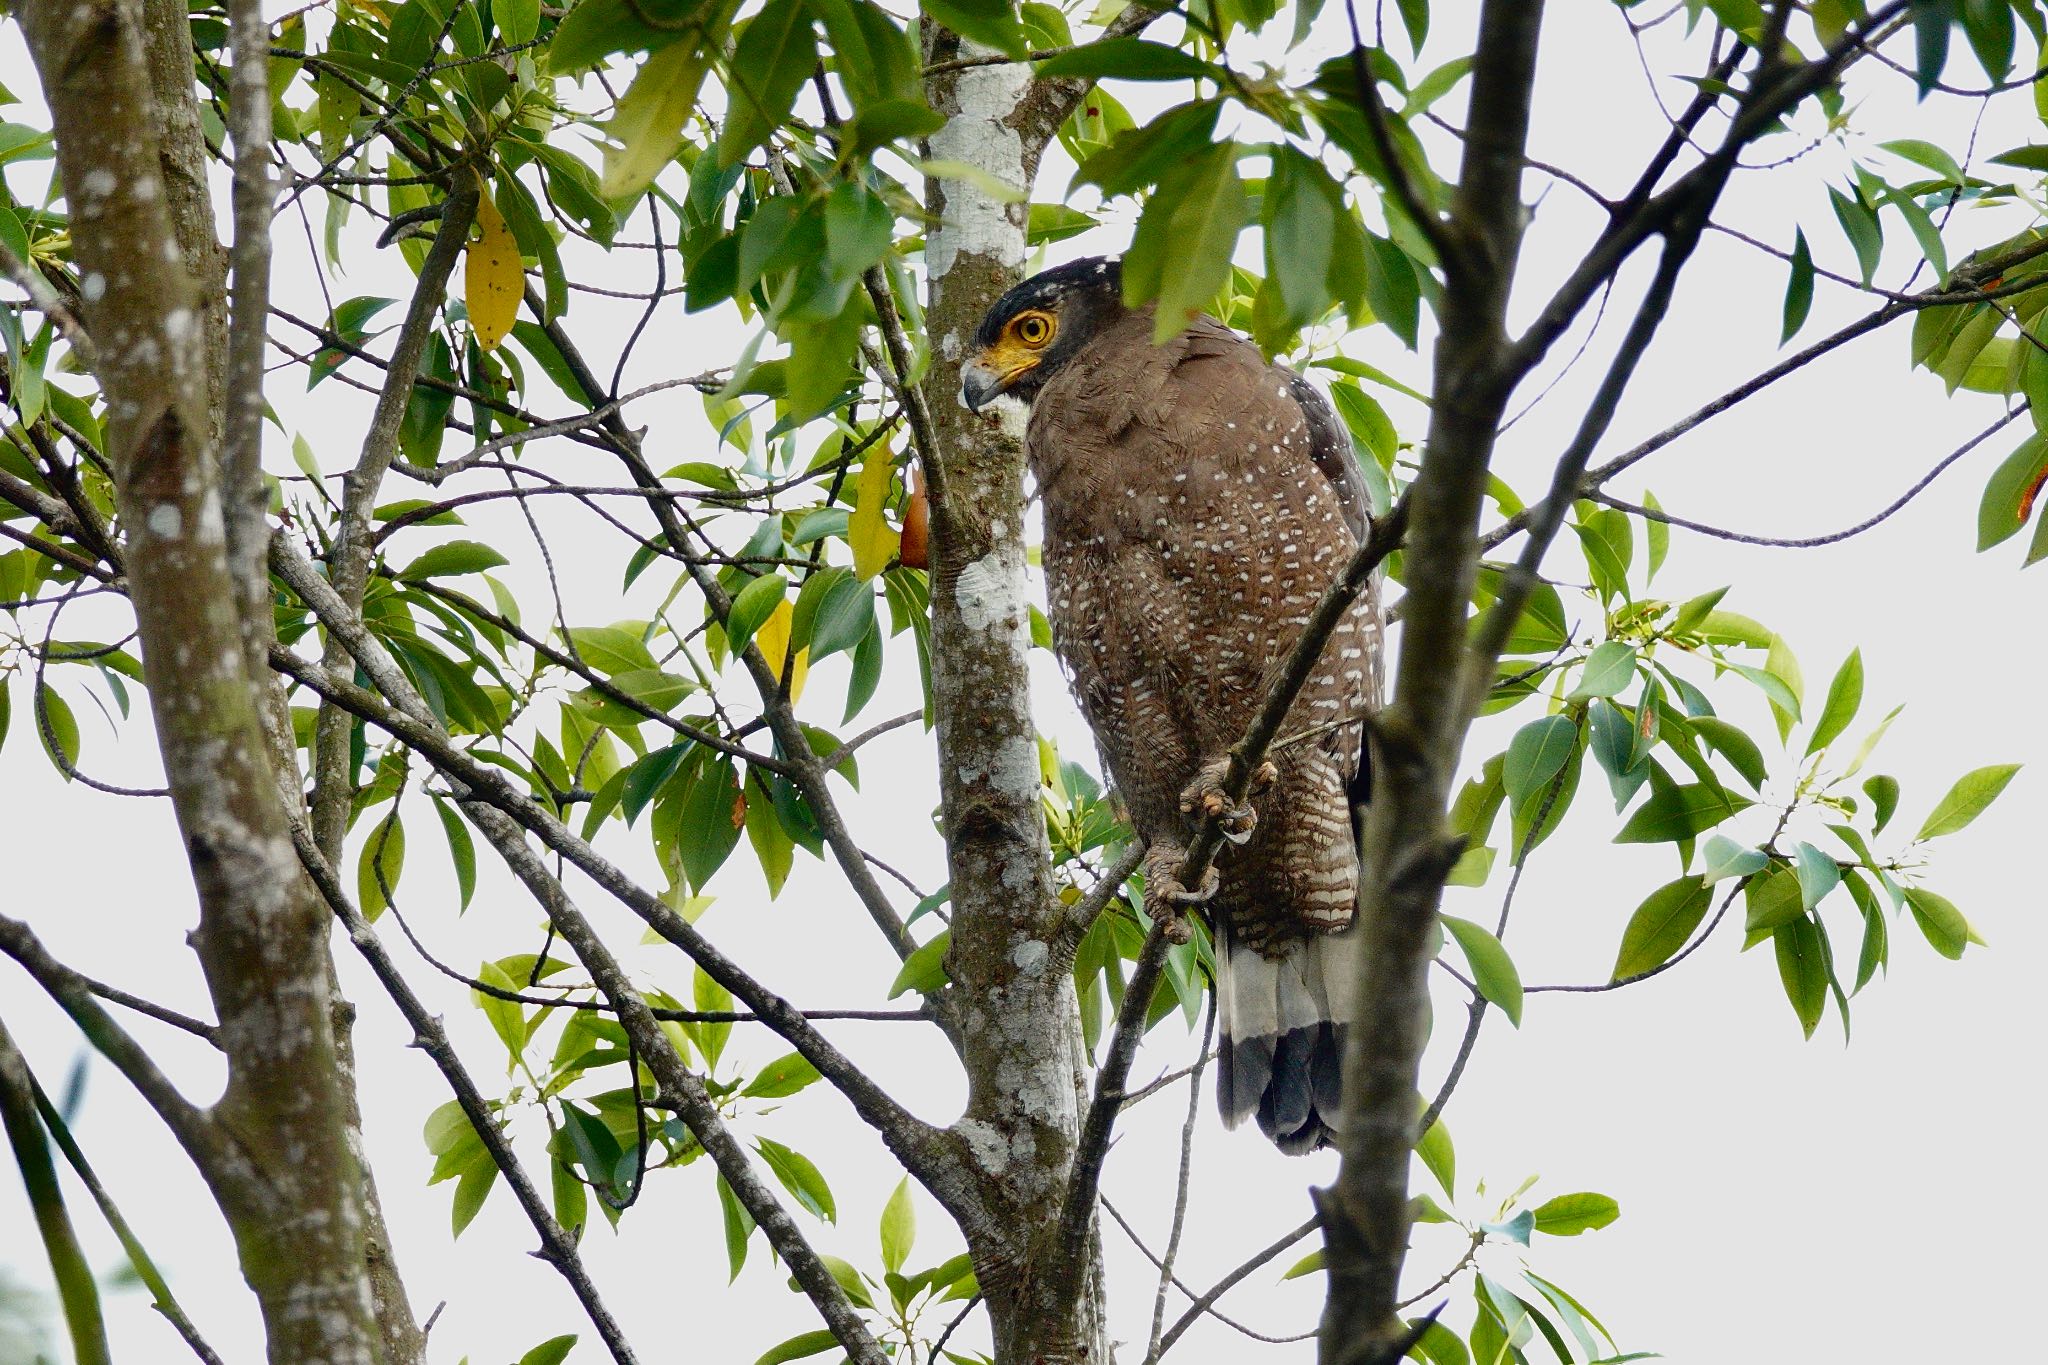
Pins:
x: 492, y: 277
x: 773, y: 638
x: 867, y: 531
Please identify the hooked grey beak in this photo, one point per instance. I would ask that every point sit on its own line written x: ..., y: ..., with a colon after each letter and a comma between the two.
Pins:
x: 979, y: 386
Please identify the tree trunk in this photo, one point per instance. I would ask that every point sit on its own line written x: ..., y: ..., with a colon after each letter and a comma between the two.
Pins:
x: 280, y: 1169
x: 1021, y: 1033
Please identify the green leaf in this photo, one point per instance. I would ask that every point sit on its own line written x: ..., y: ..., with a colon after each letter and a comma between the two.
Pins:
x: 1876, y: 950
x: 1861, y: 227
x: 799, y: 1177
x: 709, y: 822
x: 1733, y: 744
x: 453, y: 558
x: 2002, y: 514
x: 461, y: 849
x: 1883, y: 792
x: 1568, y: 1215
x: 739, y: 1226
x: 1966, y: 800
x: 1722, y: 858
x: 1928, y: 155
x: 1940, y: 920
x: 798, y: 1347
x: 58, y: 728
x: 1803, y: 970
x: 924, y: 970
x: 1845, y: 694
x: 1771, y: 901
x: 646, y: 128
x: 1180, y: 253
x: 858, y: 228
x: 1131, y: 59
x: 1536, y: 755
x: 1818, y: 874
x: 1780, y: 663
x: 1140, y: 156
x: 899, y: 1227
x: 1493, y: 971
x: 1680, y: 812
x: 1609, y: 668
x: 611, y: 649
x: 383, y: 853
x: 773, y: 59
x: 1798, y: 289
x: 594, y: 29
x: 1660, y: 926
x: 783, y: 1076
x: 507, y: 1017
x: 1307, y: 1265
x: 554, y: 1350
x: 993, y: 22
x: 750, y: 607
x: 1437, y: 1153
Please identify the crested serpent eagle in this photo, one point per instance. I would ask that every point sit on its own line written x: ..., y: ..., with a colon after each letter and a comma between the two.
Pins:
x: 1197, y: 501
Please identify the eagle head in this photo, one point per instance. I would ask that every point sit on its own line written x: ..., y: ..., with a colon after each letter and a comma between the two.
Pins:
x: 1036, y: 327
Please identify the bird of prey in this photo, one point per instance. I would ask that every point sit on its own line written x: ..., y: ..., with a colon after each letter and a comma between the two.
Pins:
x: 1197, y: 502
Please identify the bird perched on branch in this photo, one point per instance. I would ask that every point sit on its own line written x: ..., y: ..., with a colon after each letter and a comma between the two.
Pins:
x: 1197, y: 502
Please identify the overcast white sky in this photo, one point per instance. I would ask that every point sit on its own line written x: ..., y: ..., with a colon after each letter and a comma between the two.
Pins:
x: 1781, y: 1200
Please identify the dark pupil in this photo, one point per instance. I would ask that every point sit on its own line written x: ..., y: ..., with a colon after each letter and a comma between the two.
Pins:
x: 1033, y: 329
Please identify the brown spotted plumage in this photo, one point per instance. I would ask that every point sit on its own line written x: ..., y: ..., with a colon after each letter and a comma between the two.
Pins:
x: 1197, y: 502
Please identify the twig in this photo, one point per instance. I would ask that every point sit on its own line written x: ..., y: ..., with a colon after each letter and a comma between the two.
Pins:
x: 1180, y: 1197
x: 1833, y: 537
x: 1223, y: 1286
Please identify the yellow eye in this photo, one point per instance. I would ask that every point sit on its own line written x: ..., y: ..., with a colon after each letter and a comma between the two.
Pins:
x: 1034, y: 329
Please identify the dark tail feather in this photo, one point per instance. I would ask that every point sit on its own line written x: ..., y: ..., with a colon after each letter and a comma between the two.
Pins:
x: 1283, y: 1023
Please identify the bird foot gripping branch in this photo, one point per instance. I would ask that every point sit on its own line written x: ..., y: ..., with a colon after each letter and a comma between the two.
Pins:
x: 1208, y: 797
x: 1166, y: 899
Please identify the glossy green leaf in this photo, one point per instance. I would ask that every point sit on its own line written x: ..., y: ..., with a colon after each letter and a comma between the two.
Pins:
x: 1817, y: 873
x: 1966, y: 800
x: 1440, y: 1157
x: 739, y: 1227
x: 1493, y: 971
x: 553, y: 1351
x: 1180, y: 253
x: 800, y: 1347
x: 380, y: 865
x: 1802, y: 970
x: 1568, y: 1215
x: 993, y: 22
x: 899, y: 1227
x: 925, y: 969
x: 1608, y: 669
x: 1845, y: 694
x: 799, y: 1177
x: 773, y: 59
x: 1130, y: 59
x: 1307, y: 1265
x: 1660, y: 926
x: 1536, y: 755
x: 1722, y: 858
x: 461, y: 849
x: 1798, y: 288
x: 1940, y: 920
x: 751, y: 606
x: 451, y: 559
x: 1680, y: 812
x: 783, y: 1076
x: 1735, y: 745
x: 2001, y: 514
x: 1771, y: 901
x: 1883, y: 792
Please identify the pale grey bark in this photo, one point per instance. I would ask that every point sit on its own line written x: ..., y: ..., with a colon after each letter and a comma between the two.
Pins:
x: 279, y: 1166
